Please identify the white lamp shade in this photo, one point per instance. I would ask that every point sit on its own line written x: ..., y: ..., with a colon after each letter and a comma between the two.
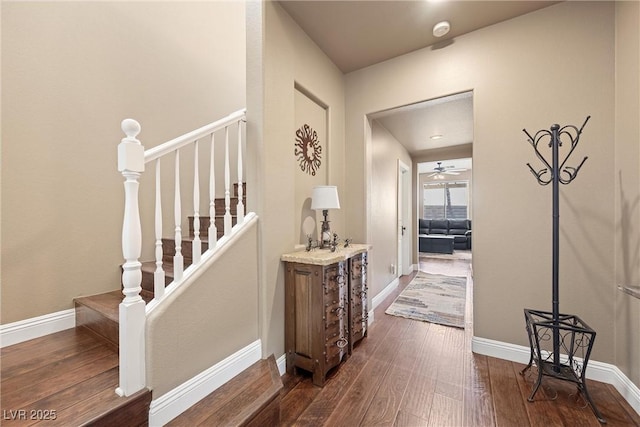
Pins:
x: 325, y: 197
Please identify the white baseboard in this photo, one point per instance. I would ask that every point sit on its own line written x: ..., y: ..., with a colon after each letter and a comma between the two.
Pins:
x: 597, y: 371
x: 377, y: 300
x: 36, y: 327
x: 173, y: 403
x: 282, y: 364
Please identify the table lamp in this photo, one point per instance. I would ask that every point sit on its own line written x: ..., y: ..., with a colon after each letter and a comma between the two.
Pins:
x: 325, y: 197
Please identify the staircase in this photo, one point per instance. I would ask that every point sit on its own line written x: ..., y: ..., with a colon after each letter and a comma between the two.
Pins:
x: 169, y: 244
x: 70, y: 377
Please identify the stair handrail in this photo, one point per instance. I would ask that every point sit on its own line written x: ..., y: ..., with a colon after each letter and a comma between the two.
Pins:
x: 132, y: 158
x: 181, y: 141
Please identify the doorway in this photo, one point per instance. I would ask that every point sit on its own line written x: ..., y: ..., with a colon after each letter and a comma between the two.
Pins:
x: 404, y: 218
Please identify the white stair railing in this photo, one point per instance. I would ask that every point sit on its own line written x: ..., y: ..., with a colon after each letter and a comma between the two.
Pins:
x: 132, y: 158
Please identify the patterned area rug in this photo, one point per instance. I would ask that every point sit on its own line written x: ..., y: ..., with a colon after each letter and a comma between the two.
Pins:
x: 432, y: 298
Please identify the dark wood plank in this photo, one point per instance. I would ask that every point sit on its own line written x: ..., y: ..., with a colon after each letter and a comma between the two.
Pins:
x: 406, y: 419
x: 632, y: 415
x: 240, y: 400
x: 89, y: 411
x: 509, y: 407
x: 355, y: 404
x: 610, y: 407
x: 478, y: 404
x: 66, y: 398
x: 450, y: 381
x: 386, y: 403
x: 445, y: 411
x: 29, y: 388
x: 297, y: 400
x: 541, y: 412
x: 39, y: 352
x: 384, y: 406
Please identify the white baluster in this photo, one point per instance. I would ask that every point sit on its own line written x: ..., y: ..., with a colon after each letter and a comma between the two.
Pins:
x: 178, y: 261
x: 227, y: 180
x: 213, y: 231
x: 158, y: 275
x: 196, y: 245
x: 132, y: 308
x: 240, y: 207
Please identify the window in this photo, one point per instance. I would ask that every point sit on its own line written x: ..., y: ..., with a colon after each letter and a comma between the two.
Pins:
x: 446, y: 200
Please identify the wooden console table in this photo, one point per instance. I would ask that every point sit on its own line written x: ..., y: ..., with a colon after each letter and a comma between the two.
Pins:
x: 325, y: 307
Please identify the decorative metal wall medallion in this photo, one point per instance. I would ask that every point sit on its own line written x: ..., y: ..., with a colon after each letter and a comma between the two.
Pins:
x: 308, y: 149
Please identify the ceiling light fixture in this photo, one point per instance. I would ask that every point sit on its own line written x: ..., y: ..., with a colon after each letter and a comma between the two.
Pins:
x: 441, y: 28
x: 438, y: 136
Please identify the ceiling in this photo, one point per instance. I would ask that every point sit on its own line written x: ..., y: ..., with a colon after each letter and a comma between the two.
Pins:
x: 357, y: 34
x: 448, y: 119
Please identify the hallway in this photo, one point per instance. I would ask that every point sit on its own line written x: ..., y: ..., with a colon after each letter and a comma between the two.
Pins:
x: 410, y: 373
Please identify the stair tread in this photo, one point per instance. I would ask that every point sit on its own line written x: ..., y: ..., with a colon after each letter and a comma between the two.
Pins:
x: 237, y: 401
x: 150, y: 267
x: 80, y: 386
x: 105, y: 303
x: 29, y: 355
x: 188, y: 238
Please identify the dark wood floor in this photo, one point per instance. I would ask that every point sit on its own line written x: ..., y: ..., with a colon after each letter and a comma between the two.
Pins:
x: 411, y: 373
x: 65, y: 379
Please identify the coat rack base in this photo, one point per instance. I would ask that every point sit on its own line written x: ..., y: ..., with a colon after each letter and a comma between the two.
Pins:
x: 568, y: 362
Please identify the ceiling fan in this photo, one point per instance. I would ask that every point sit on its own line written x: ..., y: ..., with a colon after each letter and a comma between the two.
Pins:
x: 440, y: 171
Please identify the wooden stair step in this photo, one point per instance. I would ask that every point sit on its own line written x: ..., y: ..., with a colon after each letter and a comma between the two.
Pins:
x: 252, y: 398
x: 148, y: 269
x: 71, y: 377
x: 169, y: 248
x: 204, y: 225
x: 100, y: 314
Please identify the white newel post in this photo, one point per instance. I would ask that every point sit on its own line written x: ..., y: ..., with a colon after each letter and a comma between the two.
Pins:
x: 132, y: 307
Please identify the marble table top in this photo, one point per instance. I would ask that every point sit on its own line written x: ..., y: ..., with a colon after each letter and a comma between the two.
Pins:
x: 325, y: 256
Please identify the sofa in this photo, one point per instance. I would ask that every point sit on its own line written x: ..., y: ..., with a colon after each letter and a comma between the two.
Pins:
x: 460, y: 229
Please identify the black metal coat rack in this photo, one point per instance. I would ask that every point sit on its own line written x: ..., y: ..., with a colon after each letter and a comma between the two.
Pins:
x: 569, y: 335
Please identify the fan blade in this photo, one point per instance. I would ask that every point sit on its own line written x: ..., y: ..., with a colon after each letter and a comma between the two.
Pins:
x: 451, y: 173
x: 433, y: 174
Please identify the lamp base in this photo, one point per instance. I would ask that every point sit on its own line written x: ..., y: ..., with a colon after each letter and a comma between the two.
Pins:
x: 325, y: 233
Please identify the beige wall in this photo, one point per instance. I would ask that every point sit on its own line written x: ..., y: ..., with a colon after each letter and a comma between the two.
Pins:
x: 386, y: 151
x: 181, y: 341
x: 290, y: 60
x: 71, y: 71
x: 508, y: 68
x: 627, y: 186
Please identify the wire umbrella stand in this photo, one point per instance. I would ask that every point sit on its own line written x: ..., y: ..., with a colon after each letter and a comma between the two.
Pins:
x: 560, y: 343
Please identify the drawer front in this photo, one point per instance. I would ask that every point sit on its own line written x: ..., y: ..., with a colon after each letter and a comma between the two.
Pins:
x: 334, y: 278
x: 336, y: 346
x: 357, y: 267
x: 335, y: 311
x: 359, y: 314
